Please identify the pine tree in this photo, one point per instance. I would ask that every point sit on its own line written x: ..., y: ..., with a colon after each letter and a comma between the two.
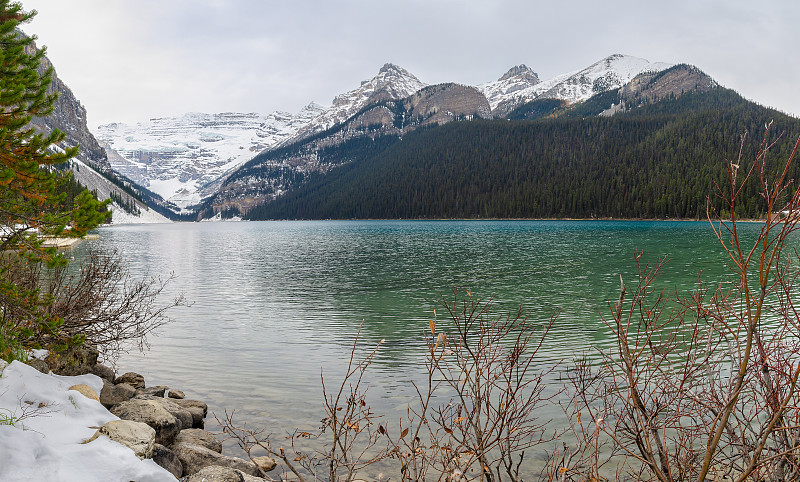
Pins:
x: 31, y: 208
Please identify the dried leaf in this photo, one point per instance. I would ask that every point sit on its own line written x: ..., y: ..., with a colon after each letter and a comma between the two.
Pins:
x: 432, y: 324
x: 404, y: 433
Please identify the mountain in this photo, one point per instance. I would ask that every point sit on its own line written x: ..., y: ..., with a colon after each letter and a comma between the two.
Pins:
x: 179, y: 157
x: 656, y: 159
x: 506, y: 90
x: 391, y: 83
x: 226, y: 163
x: 91, y: 167
x: 608, y: 74
x: 365, y: 134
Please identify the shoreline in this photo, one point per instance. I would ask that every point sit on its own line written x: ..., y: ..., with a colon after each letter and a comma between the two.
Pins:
x: 81, y: 420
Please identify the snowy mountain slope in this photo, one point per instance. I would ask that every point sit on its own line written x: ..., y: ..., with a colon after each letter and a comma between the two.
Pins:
x: 517, y: 79
x: 187, y: 159
x: 176, y: 157
x: 134, y: 211
x: 612, y: 72
x: 392, y: 82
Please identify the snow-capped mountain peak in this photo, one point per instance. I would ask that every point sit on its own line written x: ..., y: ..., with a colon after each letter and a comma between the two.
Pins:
x: 609, y: 73
x: 518, y: 78
x: 392, y: 82
x: 521, y: 71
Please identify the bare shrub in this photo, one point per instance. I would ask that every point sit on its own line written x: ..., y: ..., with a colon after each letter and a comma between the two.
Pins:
x: 473, y: 417
x: 99, y: 304
x: 704, y: 385
x: 349, y: 433
x: 475, y: 414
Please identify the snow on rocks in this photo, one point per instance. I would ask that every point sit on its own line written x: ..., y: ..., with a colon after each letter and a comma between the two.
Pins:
x: 53, y: 427
x: 45, y: 441
x: 137, y: 436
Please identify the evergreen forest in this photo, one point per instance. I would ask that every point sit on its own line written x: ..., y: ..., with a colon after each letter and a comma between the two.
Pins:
x: 658, y: 160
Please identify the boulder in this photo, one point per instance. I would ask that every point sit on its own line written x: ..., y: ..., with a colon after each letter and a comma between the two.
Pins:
x: 166, y: 458
x: 265, y: 463
x: 86, y: 391
x: 76, y: 360
x: 183, y: 415
x: 112, y: 394
x: 197, y: 417
x: 194, y: 458
x: 250, y: 478
x: 216, y: 473
x: 198, y: 409
x: 157, y: 391
x: 153, y: 414
x: 186, y: 403
x: 137, y: 436
x: 199, y: 437
x: 176, y: 394
x: 40, y: 365
x: 104, y: 372
x: 133, y: 379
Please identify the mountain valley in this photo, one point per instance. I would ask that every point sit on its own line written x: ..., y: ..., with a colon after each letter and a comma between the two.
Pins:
x: 502, y: 142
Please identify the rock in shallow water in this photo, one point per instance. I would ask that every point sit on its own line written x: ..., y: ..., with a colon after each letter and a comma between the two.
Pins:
x: 183, y: 415
x: 194, y: 458
x: 176, y: 394
x: 265, y: 463
x: 199, y: 437
x: 216, y: 473
x: 157, y: 391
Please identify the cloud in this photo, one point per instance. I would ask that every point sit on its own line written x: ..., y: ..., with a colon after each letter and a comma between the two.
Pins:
x: 134, y: 60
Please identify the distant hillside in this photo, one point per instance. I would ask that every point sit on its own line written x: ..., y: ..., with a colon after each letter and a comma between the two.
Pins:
x: 657, y: 158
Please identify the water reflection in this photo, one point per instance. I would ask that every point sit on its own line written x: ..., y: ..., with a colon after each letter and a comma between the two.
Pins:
x: 274, y: 302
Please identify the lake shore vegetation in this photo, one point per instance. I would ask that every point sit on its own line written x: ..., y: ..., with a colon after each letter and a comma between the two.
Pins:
x: 42, y: 302
x: 702, y: 385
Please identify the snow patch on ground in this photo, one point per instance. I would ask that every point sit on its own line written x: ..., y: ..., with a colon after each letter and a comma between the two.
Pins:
x: 147, y: 216
x: 48, y: 444
x: 217, y: 218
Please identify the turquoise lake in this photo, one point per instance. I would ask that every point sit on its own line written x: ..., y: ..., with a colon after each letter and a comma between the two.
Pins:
x: 274, y: 303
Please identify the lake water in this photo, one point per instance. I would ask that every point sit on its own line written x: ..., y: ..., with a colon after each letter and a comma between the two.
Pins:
x: 274, y: 303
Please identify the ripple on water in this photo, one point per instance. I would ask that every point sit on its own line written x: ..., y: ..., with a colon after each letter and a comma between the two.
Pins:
x: 274, y: 303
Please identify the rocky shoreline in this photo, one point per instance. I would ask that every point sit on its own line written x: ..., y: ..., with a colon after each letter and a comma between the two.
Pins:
x: 157, y: 422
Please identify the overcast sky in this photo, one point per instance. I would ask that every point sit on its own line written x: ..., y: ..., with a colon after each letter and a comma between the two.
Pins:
x: 129, y: 60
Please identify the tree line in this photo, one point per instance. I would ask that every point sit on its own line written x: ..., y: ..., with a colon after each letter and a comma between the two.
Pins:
x: 657, y: 161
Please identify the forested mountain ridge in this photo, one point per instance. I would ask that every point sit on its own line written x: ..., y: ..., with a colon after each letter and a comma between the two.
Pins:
x: 658, y: 159
x: 188, y: 158
x: 274, y: 172
x: 366, y: 133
